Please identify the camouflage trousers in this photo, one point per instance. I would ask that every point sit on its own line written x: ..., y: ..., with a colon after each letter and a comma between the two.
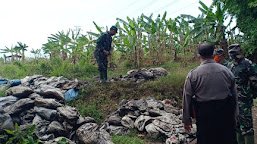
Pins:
x: 245, y: 120
x: 102, y: 67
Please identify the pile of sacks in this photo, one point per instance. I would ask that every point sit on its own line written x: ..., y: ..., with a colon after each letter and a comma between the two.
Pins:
x: 157, y: 118
x: 39, y: 100
x: 140, y: 75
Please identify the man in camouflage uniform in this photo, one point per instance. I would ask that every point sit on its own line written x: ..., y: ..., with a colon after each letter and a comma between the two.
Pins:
x: 219, y: 57
x: 246, y: 80
x: 102, y: 50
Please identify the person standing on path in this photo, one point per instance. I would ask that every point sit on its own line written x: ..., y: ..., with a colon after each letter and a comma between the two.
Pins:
x: 246, y: 80
x: 102, y: 50
x: 210, y: 90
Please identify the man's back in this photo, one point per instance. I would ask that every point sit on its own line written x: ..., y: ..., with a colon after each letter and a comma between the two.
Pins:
x: 211, y: 81
x: 215, y: 104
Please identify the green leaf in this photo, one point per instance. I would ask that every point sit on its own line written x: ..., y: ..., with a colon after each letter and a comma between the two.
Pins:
x: 203, y: 6
x: 97, y: 27
x: 164, y: 16
x: 9, y: 131
x: 202, y: 10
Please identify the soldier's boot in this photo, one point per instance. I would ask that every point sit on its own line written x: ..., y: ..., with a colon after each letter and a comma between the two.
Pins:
x: 249, y: 139
x: 105, y: 75
x: 102, y: 78
x: 240, y: 138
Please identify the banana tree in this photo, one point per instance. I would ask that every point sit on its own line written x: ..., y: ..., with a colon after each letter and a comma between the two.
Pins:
x: 77, y: 45
x: 62, y: 40
x: 8, y: 50
x: 36, y: 52
x: 23, y: 48
x: 157, y: 36
x: 52, y: 48
x: 173, y: 34
x: 212, y: 24
x: 132, y: 40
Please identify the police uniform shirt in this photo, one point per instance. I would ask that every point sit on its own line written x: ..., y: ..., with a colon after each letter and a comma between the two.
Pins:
x: 209, y: 81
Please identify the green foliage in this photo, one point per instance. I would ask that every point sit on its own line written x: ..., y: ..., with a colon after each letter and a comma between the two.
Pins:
x: 17, y: 136
x: 246, y: 13
x: 126, y: 140
x: 53, y: 67
x: 92, y: 111
x: 2, y: 92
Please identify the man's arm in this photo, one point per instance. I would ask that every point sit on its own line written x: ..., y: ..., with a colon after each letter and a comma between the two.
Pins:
x: 235, y: 96
x: 253, y: 79
x: 100, y: 42
x: 187, y: 100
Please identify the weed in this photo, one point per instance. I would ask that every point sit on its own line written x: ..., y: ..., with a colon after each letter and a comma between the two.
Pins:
x: 126, y: 140
x: 92, y: 111
x: 2, y: 92
x: 17, y: 136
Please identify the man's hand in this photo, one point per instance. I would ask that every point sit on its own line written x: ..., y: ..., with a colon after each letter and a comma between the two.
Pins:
x: 188, y: 127
x: 106, y: 52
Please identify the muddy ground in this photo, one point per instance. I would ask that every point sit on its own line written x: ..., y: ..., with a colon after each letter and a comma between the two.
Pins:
x: 255, y: 123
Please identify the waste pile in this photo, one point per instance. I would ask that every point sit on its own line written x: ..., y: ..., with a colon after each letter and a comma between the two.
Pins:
x: 157, y: 118
x: 140, y: 75
x: 40, y: 100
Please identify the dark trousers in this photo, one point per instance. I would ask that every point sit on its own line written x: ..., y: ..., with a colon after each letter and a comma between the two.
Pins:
x: 102, y: 67
x: 215, y: 122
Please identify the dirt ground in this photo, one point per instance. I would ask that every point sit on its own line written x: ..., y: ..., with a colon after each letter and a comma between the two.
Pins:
x: 255, y: 123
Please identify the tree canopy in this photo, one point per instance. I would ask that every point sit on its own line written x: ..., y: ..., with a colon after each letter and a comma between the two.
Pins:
x: 245, y: 13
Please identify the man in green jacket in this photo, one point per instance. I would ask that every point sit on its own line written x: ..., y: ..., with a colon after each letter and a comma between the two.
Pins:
x: 246, y: 80
x: 102, y: 50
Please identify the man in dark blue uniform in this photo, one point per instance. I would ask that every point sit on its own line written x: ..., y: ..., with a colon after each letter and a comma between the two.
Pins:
x: 102, y: 50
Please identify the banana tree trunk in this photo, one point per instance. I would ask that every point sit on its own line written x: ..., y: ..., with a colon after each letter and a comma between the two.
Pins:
x: 23, y: 56
x: 12, y: 57
x: 138, y: 51
x: 224, y: 46
x: 158, y: 48
x: 164, y: 50
x: 150, y: 45
x: 5, y: 58
x: 175, y: 55
x: 133, y: 56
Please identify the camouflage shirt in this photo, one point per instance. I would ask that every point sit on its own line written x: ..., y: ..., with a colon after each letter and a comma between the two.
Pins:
x: 103, y: 43
x: 225, y: 63
x: 246, y: 80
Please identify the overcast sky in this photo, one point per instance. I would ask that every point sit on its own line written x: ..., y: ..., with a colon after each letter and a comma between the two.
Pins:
x: 32, y: 21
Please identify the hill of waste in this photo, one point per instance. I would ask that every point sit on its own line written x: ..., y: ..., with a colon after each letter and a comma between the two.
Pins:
x: 40, y: 101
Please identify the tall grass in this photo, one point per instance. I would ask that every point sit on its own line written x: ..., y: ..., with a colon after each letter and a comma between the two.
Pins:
x: 54, y: 67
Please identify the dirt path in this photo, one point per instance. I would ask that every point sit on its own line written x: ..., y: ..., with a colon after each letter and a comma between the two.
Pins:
x: 255, y: 123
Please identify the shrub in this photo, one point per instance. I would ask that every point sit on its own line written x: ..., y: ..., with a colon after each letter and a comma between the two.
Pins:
x: 17, y: 136
x: 92, y: 111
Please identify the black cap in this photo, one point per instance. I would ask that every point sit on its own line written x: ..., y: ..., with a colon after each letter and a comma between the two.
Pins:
x: 234, y: 48
x: 218, y: 51
x: 114, y: 28
x: 206, y: 49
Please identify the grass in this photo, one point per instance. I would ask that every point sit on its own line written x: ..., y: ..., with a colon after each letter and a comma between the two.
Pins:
x: 54, y: 67
x: 2, y: 92
x: 126, y: 140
